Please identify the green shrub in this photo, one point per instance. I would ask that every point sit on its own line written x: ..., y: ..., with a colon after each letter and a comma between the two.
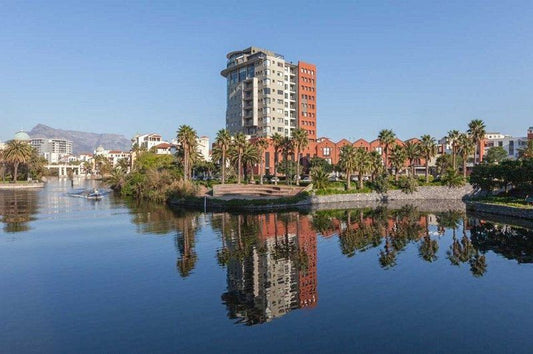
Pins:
x: 408, y: 185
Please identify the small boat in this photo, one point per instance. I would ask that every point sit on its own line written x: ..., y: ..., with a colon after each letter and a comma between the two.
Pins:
x: 93, y: 194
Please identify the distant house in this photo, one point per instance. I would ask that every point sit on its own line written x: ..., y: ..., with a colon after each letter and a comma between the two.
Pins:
x: 165, y: 149
x: 146, y: 141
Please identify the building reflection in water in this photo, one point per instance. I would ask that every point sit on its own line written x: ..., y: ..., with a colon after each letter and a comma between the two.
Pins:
x: 271, y: 263
x: 17, y: 209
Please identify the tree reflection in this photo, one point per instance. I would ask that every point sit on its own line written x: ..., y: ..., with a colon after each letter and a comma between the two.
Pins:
x: 515, y: 243
x: 187, y: 227
x: 153, y: 218
x: 362, y: 229
x: 17, y: 209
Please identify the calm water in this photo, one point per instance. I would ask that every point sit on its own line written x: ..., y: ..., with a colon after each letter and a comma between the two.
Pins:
x: 86, y: 276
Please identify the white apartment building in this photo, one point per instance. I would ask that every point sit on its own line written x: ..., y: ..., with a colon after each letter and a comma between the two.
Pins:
x: 146, y: 141
x: 511, y: 144
x: 54, y: 150
x: 114, y: 156
x: 202, y: 147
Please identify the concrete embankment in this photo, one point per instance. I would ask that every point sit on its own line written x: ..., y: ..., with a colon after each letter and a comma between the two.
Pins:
x: 434, y: 196
x: 15, y: 186
x: 422, y: 193
x: 497, y: 209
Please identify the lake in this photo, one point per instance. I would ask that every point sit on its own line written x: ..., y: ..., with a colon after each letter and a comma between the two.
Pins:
x: 116, y: 276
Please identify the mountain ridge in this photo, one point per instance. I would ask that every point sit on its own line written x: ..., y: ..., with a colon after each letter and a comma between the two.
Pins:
x: 82, y: 141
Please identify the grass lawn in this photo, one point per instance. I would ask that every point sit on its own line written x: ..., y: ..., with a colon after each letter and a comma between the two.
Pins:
x: 506, y: 201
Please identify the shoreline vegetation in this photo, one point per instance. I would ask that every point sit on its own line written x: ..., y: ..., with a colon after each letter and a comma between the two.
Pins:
x: 186, y: 179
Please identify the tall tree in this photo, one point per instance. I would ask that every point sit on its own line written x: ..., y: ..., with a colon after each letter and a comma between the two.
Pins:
x: 287, y: 148
x: 397, y: 159
x: 376, y: 164
x: 187, y: 138
x: 16, y: 153
x: 466, y: 146
x: 412, y: 152
x: 250, y: 157
x: 362, y: 164
x: 451, y: 138
x: 428, y: 149
x: 277, y: 142
x: 223, y: 142
x: 348, y: 161
x: 300, y: 141
x: 386, y: 138
x: 476, y: 129
x: 261, y: 144
x: 239, y: 144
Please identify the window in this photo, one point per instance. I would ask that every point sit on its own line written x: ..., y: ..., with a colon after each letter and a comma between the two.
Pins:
x: 326, y: 151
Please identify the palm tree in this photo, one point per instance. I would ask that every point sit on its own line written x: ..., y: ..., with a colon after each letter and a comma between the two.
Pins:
x: 428, y: 150
x: 250, y: 157
x: 348, y: 161
x: 300, y: 141
x: 362, y: 164
x: 277, y: 142
x: 465, y: 146
x: 412, y: 152
x: 376, y: 163
x: 16, y: 153
x: 136, y: 151
x: 187, y: 138
x: 261, y: 144
x: 287, y: 148
x: 223, y: 142
x: 397, y: 160
x: 386, y: 138
x: 238, y: 146
x: 453, y: 136
x: 476, y: 129
x: 319, y: 177
x: 102, y: 164
x: 2, y: 165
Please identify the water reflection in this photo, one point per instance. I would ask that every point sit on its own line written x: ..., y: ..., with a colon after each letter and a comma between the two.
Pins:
x: 17, y: 209
x: 271, y: 262
x: 270, y: 259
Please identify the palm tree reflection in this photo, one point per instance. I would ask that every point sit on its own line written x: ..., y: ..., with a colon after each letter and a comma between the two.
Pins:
x: 17, y: 209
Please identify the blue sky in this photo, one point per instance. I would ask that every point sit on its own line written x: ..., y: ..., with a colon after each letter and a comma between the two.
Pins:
x: 125, y: 67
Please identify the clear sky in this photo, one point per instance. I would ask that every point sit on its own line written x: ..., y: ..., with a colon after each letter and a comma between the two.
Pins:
x: 126, y: 67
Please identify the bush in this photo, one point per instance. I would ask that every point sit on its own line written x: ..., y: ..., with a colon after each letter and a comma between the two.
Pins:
x: 381, y: 184
x: 319, y: 177
x: 453, y: 179
x: 516, y: 174
x: 408, y: 185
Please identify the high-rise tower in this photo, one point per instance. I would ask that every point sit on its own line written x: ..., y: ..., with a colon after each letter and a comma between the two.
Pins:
x: 267, y: 94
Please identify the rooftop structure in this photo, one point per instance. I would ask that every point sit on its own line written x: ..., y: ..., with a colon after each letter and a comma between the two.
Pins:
x: 22, y: 136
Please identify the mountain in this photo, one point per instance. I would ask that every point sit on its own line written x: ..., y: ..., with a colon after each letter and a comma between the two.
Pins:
x: 82, y: 141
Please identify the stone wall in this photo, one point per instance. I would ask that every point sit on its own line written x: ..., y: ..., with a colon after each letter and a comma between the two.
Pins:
x: 423, y: 193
